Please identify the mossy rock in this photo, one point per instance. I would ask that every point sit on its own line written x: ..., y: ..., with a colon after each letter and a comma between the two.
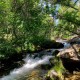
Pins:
x: 55, y: 52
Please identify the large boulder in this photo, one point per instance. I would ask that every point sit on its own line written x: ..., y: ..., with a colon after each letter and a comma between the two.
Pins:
x: 71, y: 58
x: 71, y: 53
x: 51, y: 44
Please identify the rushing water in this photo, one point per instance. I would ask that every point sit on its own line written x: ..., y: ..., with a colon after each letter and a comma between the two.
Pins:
x: 30, y: 64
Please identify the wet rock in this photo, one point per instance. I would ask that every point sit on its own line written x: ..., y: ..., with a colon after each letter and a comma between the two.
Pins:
x: 58, y: 45
x: 53, y: 75
x: 75, y: 40
x: 34, y: 75
x: 35, y: 55
x: 47, y: 78
x: 55, y: 52
x: 19, y: 63
x: 46, y: 66
x: 49, y: 50
x: 70, y: 58
x: 39, y: 54
x: 52, y: 61
x: 71, y: 53
x: 71, y: 65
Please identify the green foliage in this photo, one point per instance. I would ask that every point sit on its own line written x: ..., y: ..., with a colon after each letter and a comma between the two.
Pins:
x: 26, y: 22
x: 21, y: 22
x: 7, y: 49
x: 58, y: 67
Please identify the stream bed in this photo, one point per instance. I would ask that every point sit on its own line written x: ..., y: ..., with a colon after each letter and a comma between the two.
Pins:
x: 31, y: 66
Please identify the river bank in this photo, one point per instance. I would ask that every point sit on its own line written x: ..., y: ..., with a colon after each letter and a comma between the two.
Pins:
x: 38, y: 60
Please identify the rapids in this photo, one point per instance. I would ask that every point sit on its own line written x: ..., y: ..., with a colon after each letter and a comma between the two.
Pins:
x: 31, y: 63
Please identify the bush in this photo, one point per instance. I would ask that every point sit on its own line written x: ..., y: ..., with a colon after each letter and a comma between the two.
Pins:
x: 7, y: 49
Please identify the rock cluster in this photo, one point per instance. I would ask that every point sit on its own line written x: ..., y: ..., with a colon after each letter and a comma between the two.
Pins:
x: 71, y: 58
x: 75, y: 40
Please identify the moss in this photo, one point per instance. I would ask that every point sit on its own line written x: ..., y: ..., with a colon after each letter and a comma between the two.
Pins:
x: 58, y: 68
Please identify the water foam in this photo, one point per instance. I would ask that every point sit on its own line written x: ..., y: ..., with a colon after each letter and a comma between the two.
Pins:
x: 30, y: 64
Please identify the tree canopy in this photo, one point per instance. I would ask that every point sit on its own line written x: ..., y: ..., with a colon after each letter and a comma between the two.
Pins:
x: 25, y: 23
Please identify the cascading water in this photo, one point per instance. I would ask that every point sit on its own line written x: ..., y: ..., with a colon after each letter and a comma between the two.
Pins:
x: 30, y: 64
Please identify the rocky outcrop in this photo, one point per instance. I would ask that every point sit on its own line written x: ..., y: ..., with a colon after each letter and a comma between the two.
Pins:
x: 71, y: 58
x: 71, y: 53
x: 75, y: 40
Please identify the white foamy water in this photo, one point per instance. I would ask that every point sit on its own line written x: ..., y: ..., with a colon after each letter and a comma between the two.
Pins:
x: 30, y: 64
